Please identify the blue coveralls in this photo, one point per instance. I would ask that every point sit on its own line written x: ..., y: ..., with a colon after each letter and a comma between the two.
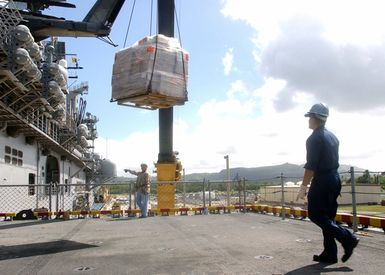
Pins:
x: 322, y: 158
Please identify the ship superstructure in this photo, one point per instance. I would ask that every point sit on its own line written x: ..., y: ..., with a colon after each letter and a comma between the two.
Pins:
x: 46, y: 137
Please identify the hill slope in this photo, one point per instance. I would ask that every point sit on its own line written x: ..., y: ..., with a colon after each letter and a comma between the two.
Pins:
x: 291, y: 172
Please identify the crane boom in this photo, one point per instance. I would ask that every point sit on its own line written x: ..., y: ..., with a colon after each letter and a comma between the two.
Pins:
x: 97, y: 23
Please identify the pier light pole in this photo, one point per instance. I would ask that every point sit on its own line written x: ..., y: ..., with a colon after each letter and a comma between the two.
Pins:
x: 228, y: 179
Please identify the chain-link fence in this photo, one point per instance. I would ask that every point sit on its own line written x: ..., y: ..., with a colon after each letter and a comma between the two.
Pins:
x: 49, y: 197
x: 70, y: 197
x: 213, y: 193
x: 276, y: 191
x: 358, y: 188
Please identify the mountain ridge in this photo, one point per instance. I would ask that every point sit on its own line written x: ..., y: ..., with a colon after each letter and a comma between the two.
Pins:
x: 260, y: 174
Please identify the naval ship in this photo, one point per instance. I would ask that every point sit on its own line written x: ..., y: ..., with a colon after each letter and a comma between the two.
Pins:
x: 47, y: 158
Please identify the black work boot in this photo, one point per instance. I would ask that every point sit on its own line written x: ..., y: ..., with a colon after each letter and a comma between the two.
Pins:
x: 325, y: 259
x: 349, y: 249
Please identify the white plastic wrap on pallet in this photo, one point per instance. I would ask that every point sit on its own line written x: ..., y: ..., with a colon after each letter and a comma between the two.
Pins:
x: 134, y: 66
x: 22, y: 57
x: 83, y: 130
x: 23, y: 36
x: 34, y: 52
x: 59, y: 113
x: 83, y: 142
x: 53, y: 89
x: 58, y: 73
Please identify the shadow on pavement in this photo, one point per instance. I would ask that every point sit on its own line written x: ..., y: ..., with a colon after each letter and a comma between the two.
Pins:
x: 37, y: 249
x: 13, y: 224
x: 318, y: 268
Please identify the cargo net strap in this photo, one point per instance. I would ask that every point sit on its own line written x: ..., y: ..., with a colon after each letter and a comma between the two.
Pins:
x: 149, y: 87
x: 9, y: 18
x: 183, y: 65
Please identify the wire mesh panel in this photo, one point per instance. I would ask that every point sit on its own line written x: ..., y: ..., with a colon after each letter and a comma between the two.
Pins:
x: 118, y: 196
x: 188, y: 194
x: 9, y: 17
x: 50, y: 197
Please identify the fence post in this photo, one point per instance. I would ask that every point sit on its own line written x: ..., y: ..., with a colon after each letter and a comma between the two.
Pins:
x: 209, y: 187
x: 184, y: 188
x: 228, y: 179
x: 135, y: 205
x: 228, y: 192
x: 204, y: 193
x: 353, y: 186
x: 239, y: 192
x: 50, y: 196
x: 283, y: 210
x: 244, y: 195
x: 57, y: 188
x: 205, y: 210
x: 130, y: 195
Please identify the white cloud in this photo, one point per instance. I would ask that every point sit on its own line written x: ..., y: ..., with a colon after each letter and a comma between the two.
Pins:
x: 231, y: 127
x: 319, y: 48
x: 237, y: 87
x: 129, y: 153
x: 308, y: 51
x: 344, y: 21
x: 328, y: 51
x: 227, y: 61
x: 342, y: 75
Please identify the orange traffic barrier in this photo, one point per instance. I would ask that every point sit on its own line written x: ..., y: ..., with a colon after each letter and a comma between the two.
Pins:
x: 132, y: 212
x: 184, y: 211
x: 362, y: 220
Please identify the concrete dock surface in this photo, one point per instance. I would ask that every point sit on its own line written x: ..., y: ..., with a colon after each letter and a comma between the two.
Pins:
x: 234, y: 243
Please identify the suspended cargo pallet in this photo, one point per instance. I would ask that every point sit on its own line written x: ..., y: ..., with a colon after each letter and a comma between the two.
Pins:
x: 151, y: 74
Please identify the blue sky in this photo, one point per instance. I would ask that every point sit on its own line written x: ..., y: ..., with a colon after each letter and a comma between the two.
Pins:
x: 254, y: 70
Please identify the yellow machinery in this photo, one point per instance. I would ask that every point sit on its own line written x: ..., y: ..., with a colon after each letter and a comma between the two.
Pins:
x: 166, y: 191
x: 167, y: 173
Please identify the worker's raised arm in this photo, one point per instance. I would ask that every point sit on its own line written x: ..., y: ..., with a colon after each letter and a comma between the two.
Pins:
x: 131, y: 172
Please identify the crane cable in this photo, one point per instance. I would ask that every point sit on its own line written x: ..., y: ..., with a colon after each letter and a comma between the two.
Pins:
x: 156, y: 46
x: 152, y: 4
x: 183, y: 65
x: 149, y: 88
x: 129, y: 23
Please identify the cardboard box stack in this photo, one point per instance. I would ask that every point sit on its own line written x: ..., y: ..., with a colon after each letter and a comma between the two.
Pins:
x: 153, y: 72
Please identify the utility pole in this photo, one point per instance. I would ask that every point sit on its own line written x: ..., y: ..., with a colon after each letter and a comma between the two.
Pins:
x: 228, y: 179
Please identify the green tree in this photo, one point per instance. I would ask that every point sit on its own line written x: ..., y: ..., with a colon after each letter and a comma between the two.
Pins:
x: 365, y: 178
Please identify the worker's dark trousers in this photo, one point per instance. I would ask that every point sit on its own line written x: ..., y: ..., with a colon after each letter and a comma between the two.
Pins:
x: 322, y: 209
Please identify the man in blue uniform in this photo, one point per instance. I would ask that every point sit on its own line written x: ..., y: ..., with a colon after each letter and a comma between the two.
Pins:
x: 321, y: 170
